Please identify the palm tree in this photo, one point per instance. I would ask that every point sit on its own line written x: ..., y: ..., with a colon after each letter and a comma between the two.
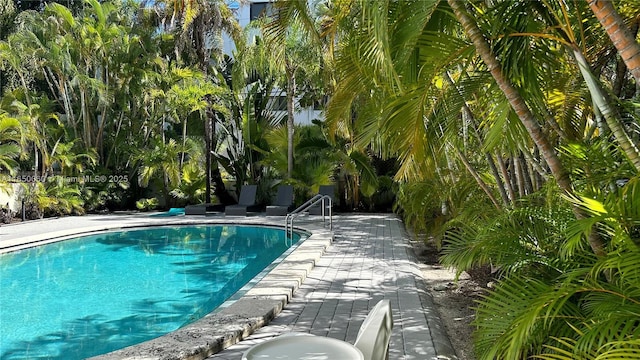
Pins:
x: 532, y: 114
x: 10, y: 58
x: 512, y: 335
x: 568, y: 37
x: 161, y: 161
x: 10, y: 135
x: 317, y: 160
x: 70, y: 159
x: 250, y: 77
x: 520, y: 107
x: 512, y: 94
x: 194, y: 24
x: 297, y: 55
x: 53, y: 198
x: 198, y: 26
x: 620, y: 35
x: 82, y: 76
x: 37, y: 122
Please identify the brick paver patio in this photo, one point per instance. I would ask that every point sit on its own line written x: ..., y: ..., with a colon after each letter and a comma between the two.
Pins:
x: 371, y: 259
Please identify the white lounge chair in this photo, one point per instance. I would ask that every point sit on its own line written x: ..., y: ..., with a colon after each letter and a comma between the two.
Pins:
x: 375, y: 332
x: 372, y: 342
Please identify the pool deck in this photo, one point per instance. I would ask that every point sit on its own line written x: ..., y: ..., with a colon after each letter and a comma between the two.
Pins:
x: 325, y: 287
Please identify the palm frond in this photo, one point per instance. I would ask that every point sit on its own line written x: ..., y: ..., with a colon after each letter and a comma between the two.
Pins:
x: 509, y: 322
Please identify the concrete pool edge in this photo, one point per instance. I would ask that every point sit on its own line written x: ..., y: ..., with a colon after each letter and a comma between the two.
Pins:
x: 224, y: 327
x: 233, y: 323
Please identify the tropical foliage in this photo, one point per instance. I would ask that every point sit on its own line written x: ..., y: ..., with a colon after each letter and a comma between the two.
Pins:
x: 507, y: 131
x: 512, y: 133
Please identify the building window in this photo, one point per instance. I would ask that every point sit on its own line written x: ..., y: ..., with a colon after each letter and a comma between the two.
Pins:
x: 260, y: 9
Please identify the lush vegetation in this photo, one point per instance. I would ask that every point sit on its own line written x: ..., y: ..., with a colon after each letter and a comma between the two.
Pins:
x: 112, y: 105
x: 505, y: 130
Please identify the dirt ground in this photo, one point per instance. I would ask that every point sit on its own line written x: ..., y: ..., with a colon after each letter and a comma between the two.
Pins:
x: 454, y: 300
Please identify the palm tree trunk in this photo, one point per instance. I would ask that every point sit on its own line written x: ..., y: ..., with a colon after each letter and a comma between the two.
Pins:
x: 477, y: 177
x: 517, y: 170
x: 184, y: 142
x: 536, y: 166
x: 522, y: 110
x: 618, y: 83
x: 513, y: 96
x: 526, y: 175
x: 612, y: 120
x: 103, y: 115
x: 555, y: 126
x: 115, y: 143
x: 84, y: 112
x: 507, y: 178
x: 100, y: 134
x: 619, y: 34
x: 212, y: 170
x: 472, y: 120
x: 207, y: 158
x: 499, y: 183
x: 533, y: 178
x: 291, y: 88
x: 66, y: 100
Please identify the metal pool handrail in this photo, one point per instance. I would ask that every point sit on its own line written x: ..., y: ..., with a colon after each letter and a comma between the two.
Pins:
x: 311, y: 202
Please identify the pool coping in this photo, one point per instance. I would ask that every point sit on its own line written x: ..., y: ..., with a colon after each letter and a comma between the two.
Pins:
x: 229, y: 325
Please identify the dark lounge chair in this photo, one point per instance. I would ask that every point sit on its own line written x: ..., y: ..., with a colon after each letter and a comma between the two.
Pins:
x: 246, y: 202
x: 283, y: 203
x: 323, y: 190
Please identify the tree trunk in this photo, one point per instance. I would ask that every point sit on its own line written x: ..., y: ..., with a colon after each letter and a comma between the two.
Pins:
x: 115, y: 143
x: 611, y: 118
x: 499, y: 183
x: 99, y: 141
x: 207, y: 158
x: 184, y: 142
x: 517, y: 168
x: 513, y: 96
x: 507, y: 179
x: 219, y: 189
x: 212, y: 171
x: 477, y: 177
x: 526, y: 175
x: 534, y: 163
x: 472, y: 121
x: 619, y: 34
x: 534, y: 170
x: 618, y: 83
x: 291, y: 89
x: 522, y: 110
x: 541, y: 177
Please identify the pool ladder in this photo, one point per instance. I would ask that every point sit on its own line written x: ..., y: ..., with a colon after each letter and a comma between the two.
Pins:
x: 288, y: 225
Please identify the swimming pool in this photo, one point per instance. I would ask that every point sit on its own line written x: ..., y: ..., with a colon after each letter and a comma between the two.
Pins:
x: 94, y: 294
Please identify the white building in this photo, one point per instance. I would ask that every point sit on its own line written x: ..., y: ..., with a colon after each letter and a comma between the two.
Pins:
x: 245, y: 13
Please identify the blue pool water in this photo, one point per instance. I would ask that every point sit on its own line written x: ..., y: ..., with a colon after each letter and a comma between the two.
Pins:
x: 94, y: 294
